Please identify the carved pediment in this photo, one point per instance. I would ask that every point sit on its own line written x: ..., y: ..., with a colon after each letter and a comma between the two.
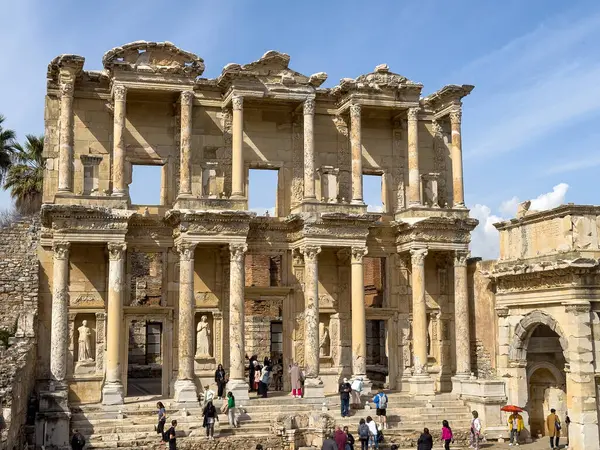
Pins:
x: 447, y: 96
x: 380, y: 80
x: 65, y: 68
x: 153, y: 57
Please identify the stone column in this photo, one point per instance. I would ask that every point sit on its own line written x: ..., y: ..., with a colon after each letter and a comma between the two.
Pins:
x: 356, y: 152
x: 309, y: 149
x: 359, y: 329
x: 458, y: 192
x: 461, y: 316
x: 237, y: 155
x: 59, y: 335
x: 119, y: 184
x: 313, y: 384
x: 185, y: 388
x: 414, y: 181
x: 185, y: 169
x: 421, y: 382
x: 65, y: 146
x: 100, y: 341
x: 112, y: 392
x: 237, y: 381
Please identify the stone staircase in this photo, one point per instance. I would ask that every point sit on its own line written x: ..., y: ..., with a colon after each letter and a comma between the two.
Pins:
x: 132, y: 425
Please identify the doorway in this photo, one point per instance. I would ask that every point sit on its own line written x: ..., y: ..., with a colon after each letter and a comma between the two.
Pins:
x: 145, y: 358
x: 377, y: 359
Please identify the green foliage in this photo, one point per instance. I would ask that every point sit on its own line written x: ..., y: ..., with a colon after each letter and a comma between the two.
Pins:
x: 7, y: 143
x: 26, y: 175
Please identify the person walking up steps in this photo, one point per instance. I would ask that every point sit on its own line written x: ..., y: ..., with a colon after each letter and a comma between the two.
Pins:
x: 210, y: 415
x: 446, y: 434
x: 162, y: 418
x: 373, y: 433
x: 363, y: 434
x: 231, y: 410
x: 381, y: 402
x: 515, y: 426
x: 172, y: 436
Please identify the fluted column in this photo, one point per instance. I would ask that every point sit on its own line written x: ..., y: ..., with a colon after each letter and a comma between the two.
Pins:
x: 356, y: 152
x: 65, y: 139
x: 359, y: 324
x: 119, y: 184
x: 237, y: 381
x: 414, y: 182
x: 59, y: 335
x: 457, y: 162
x: 185, y: 388
x: 461, y: 316
x: 309, y: 149
x: 185, y: 154
x: 419, y: 312
x: 237, y: 156
x: 112, y: 392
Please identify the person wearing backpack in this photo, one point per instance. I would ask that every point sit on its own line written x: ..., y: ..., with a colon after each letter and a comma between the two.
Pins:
x: 425, y: 441
x: 381, y: 401
x: 171, y: 436
x: 77, y: 441
x: 363, y: 434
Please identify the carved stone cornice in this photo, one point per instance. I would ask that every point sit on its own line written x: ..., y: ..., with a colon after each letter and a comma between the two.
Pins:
x: 358, y: 253
x: 333, y: 225
x: 237, y: 252
x: 502, y: 312
x: 417, y: 256
x: 311, y: 253
x: 74, y: 219
x: 116, y: 251
x: 186, y: 251
x: 61, y: 250
x: 436, y: 229
x: 209, y: 223
x: 448, y: 97
x: 381, y: 81
x: 578, y: 308
x: 569, y: 277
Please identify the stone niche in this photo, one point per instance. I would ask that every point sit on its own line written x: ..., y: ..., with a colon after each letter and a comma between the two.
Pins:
x: 204, y: 340
x: 430, y: 183
x: 84, y: 365
x: 325, y: 344
x: 146, y: 271
x: 329, y: 183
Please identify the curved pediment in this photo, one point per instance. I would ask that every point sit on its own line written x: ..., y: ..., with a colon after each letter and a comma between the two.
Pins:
x: 153, y: 57
x: 381, y: 79
x: 67, y: 63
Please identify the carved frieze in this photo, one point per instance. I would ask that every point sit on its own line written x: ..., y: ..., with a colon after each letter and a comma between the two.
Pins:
x: 297, y: 160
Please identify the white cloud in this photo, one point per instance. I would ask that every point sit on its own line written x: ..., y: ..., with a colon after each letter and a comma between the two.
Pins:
x: 374, y: 208
x: 485, y: 239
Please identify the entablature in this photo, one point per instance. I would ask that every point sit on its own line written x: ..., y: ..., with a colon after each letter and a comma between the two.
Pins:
x: 446, y: 100
x: 434, y: 233
x: 209, y: 227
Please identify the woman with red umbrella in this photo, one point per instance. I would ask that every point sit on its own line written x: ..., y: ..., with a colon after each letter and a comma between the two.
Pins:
x: 515, y: 423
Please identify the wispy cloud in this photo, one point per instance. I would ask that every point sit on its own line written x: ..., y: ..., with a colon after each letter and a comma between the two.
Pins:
x: 587, y: 161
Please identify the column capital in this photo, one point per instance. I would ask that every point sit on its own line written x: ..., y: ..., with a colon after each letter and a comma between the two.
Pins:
x: 309, y: 106
x: 310, y: 252
x: 100, y: 315
x: 358, y: 253
x: 413, y: 113
x: 355, y: 111
x: 186, y: 251
x: 67, y: 89
x: 116, y: 250
x: 417, y: 256
x: 119, y: 92
x: 456, y: 116
x: 237, y: 252
x: 460, y: 258
x: 187, y: 98
x: 238, y: 102
x: 61, y: 249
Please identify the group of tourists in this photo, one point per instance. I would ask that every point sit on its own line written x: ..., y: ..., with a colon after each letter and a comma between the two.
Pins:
x: 553, y: 428
x: 262, y: 377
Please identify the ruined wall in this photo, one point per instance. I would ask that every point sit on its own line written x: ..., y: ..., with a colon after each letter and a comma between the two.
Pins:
x: 482, y: 303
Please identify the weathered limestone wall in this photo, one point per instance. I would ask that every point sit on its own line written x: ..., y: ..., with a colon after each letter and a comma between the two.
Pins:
x: 482, y: 303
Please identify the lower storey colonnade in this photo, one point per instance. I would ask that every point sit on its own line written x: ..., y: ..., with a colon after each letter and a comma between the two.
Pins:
x: 185, y: 386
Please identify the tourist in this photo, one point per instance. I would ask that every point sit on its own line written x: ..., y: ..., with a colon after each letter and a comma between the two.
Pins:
x: 277, y: 372
x: 257, y: 376
x: 251, y: 366
x: 77, y: 441
x: 363, y: 434
x: 373, y: 433
x: 329, y: 443
x: 340, y: 438
x: 381, y: 402
x: 208, y: 395
x: 446, y: 434
x: 221, y: 380
x: 553, y: 426
x: 210, y: 415
x: 344, y: 391
x: 349, y: 440
x: 425, y: 441
x: 263, y: 385
x: 162, y: 418
x: 475, y: 430
x: 294, y: 372
x: 231, y: 410
x: 172, y: 436
x: 357, y: 386
x: 515, y: 426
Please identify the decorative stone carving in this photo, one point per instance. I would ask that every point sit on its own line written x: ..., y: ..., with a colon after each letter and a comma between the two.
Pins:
x: 67, y: 89
x: 355, y: 111
x: 187, y: 97
x: 324, y: 341
x: 418, y: 256
x: 430, y: 189
x: 358, y: 253
x: 329, y: 184
x: 413, y: 113
x: 116, y: 251
x: 84, y: 350
x: 203, y: 338
x: 309, y: 106
x: 237, y: 102
x: 119, y: 93
x: 186, y: 251
x: 237, y: 252
x: 61, y: 250
x: 310, y: 253
x: 456, y: 116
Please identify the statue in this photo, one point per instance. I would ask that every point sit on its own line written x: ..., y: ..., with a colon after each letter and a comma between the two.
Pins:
x: 323, y: 340
x: 202, y: 338
x: 85, y: 343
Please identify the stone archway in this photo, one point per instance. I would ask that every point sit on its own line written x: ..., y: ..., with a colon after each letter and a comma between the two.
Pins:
x: 520, y: 340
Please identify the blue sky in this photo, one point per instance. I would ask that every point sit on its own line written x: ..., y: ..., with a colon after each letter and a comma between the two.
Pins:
x: 530, y: 127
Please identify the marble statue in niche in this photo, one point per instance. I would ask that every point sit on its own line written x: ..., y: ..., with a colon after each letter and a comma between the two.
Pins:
x: 84, y: 350
x: 203, y: 338
x: 324, y: 341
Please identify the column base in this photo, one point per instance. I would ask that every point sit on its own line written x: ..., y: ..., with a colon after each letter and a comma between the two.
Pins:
x: 314, y: 388
x: 239, y: 389
x: 422, y: 385
x: 457, y: 381
x: 186, y: 392
x: 112, y: 394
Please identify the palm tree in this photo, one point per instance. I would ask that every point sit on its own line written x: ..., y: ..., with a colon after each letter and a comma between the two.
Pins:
x: 25, y: 177
x: 7, y: 143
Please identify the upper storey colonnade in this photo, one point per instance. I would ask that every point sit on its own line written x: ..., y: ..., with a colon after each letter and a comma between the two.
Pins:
x: 144, y: 70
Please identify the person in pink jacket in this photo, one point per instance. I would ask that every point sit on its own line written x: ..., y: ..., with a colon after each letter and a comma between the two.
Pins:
x: 446, y: 434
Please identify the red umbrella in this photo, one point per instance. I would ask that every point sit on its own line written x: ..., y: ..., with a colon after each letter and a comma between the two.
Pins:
x: 511, y: 408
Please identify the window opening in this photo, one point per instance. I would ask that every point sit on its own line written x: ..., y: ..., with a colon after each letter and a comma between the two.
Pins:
x: 146, y: 183
x: 276, y: 339
x: 373, y: 193
x: 262, y: 191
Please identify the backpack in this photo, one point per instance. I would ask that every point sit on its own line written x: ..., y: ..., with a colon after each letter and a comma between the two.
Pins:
x: 382, y: 403
x: 165, y: 436
x: 363, y: 431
